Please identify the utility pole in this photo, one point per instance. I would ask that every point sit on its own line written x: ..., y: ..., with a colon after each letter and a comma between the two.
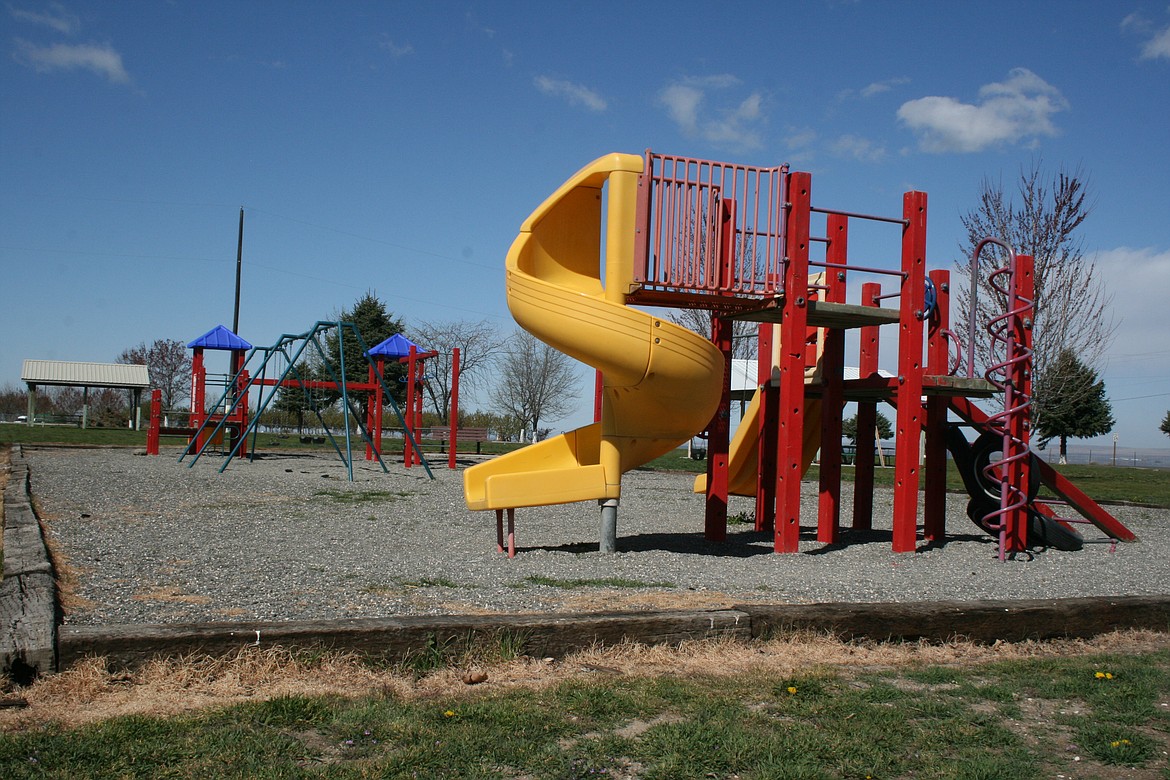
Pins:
x: 239, y: 264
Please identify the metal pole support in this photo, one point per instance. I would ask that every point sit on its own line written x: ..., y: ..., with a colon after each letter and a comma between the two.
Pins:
x: 608, y: 542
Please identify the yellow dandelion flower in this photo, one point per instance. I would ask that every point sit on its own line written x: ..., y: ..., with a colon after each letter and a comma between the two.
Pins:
x: 449, y: 714
x: 792, y: 689
x: 1100, y: 675
x: 1108, y: 675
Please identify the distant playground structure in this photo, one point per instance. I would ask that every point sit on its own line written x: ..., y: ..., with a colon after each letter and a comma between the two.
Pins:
x: 266, y: 371
x: 668, y: 231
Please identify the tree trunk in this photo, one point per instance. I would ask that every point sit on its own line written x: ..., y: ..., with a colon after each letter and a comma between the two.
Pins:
x: 1063, y: 450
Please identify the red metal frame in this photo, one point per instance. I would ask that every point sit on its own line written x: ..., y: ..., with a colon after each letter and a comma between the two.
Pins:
x: 793, y: 332
x: 768, y: 428
x: 718, y: 442
x: 863, y: 466
x: 934, y: 510
x: 908, y: 428
x: 684, y: 249
x: 833, y: 391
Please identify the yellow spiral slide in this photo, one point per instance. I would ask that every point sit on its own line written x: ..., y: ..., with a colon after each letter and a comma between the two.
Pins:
x: 661, y: 382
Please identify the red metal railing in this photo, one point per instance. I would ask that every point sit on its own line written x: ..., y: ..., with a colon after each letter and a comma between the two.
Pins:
x: 691, y: 209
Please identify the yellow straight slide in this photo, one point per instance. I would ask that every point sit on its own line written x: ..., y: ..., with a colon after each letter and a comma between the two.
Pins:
x: 744, y: 453
x: 661, y: 381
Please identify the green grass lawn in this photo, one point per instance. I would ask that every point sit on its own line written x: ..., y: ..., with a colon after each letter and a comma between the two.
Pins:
x: 1083, y: 716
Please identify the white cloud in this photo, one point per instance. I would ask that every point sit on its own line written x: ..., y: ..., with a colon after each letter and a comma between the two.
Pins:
x: 1158, y: 44
x: 732, y: 126
x: 396, y: 49
x: 56, y: 18
x: 878, y: 87
x: 575, y: 94
x: 1010, y: 111
x: 102, y: 60
x: 858, y: 148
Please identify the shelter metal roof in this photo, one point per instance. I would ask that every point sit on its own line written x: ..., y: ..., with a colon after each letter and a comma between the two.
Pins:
x: 61, y: 372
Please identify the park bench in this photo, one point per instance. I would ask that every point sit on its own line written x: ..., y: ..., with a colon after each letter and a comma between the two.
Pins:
x: 442, y: 434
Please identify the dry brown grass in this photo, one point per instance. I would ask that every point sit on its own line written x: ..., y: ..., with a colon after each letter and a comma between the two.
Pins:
x: 91, y: 692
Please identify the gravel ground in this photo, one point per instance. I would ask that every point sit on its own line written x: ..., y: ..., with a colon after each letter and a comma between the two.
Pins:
x: 288, y: 537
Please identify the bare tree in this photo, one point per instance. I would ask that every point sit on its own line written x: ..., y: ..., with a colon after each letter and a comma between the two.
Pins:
x: 1072, y: 305
x: 744, y: 334
x: 536, y: 382
x: 169, y: 367
x: 479, y: 347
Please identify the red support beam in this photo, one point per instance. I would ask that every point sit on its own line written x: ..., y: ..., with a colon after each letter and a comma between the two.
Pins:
x: 793, y: 330
x: 934, y: 512
x: 1054, y: 480
x: 1017, y: 395
x: 908, y: 430
x: 866, y: 419
x: 719, y: 441
x: 408, y: 417
x: 453, y: 417
x: 768, y: 423
x: 832, y: 393
x: 152, y: 432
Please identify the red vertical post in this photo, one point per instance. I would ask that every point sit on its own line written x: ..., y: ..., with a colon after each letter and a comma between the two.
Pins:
x: 833, y: 389
x: 718, y: 441
x: 598, y: 392
x: 1019, y: 391
x: 769, y: 411
x: 370, y: 413
x: 242, y: 410
x: 155, y: 422
x: 420, y: 367
x: 934, y: 510
x: 408, y: 417
x: 198, y: 396
x: 379, y: 404
x: 908, y: 429
x: 453, y: 417
x: 793, y: 329
x: 866, y: 418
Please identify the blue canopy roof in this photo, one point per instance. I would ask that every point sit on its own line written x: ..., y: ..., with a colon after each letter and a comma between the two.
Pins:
x: 219, y: 337
x: 397, y: 346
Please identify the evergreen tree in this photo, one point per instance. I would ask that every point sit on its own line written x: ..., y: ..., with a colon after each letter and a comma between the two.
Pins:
x: 1165, y: 426
x: 884, y: 429
x: 375, y: 324
x: 1069, y: 403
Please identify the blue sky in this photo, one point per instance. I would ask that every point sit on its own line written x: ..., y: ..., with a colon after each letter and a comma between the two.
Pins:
x: 396, y: 147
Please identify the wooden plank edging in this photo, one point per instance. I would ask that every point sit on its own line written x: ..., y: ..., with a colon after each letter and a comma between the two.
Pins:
x: 399, y: 637
x: 28, y: 595
x: 554, y: 635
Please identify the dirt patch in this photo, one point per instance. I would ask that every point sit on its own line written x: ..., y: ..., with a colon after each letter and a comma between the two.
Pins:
x: 91, y: 692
